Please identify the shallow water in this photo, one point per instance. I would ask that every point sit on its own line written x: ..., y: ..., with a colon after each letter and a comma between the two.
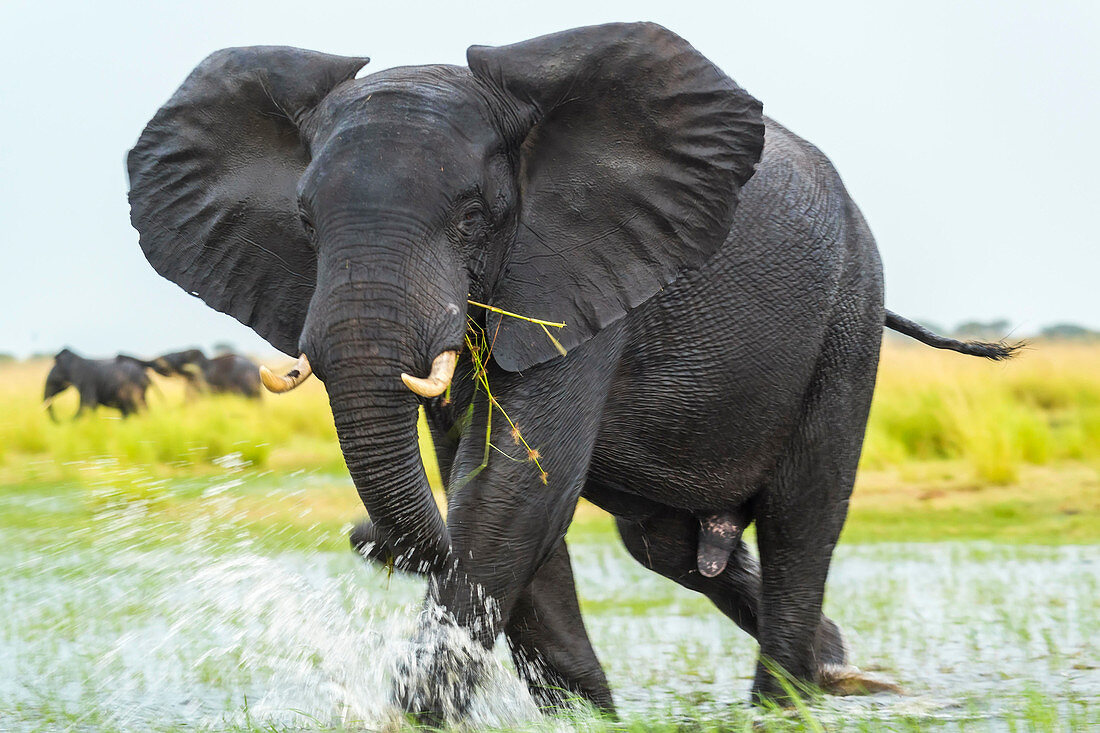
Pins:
x: 115, y: 629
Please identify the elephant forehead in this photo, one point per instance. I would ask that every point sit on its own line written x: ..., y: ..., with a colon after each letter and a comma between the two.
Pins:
x: 422, y: 99
x: 403, y: 138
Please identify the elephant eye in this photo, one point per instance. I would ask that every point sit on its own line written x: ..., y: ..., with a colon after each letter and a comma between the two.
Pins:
x: 470, y: 221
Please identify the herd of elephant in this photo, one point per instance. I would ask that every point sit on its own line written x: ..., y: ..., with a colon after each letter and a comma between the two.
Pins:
x: 122, y: 382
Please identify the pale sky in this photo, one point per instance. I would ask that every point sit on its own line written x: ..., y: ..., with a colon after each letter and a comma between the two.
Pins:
x: 966, y: 132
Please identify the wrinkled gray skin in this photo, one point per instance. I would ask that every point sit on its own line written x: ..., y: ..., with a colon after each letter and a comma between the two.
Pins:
x: 722, y: 295
x: 119, y: 383
x: 224, y: 374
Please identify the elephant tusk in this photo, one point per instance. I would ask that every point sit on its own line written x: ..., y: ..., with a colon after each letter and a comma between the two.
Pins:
x: 48, y: 402
x: 443, y: 368
x: 293, y: 378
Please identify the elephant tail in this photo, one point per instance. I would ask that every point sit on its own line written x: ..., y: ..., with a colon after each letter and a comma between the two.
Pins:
x: 998, y: 351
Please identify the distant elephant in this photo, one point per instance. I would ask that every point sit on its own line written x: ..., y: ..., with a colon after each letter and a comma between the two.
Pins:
x: 719, y: 366
x: 120, y: 382
x: 224, y: 374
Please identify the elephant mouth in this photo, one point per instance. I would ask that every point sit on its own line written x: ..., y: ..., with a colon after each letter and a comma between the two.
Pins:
x: 435, y: 384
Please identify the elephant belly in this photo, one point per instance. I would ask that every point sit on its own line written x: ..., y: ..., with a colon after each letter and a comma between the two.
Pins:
x: 700, y: 425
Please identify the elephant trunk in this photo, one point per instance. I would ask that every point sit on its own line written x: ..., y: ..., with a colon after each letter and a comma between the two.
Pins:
x: 377, y: 430
x: 383, y: 314
x: 55, y: 385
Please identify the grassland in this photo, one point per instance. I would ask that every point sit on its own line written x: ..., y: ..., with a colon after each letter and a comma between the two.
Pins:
x: 956, y: 448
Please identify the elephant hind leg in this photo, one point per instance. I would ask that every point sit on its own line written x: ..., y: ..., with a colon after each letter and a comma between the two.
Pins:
x: 799, y: 515
x: 548, y: 641
x: 667, y: 542
x: 131, y: 399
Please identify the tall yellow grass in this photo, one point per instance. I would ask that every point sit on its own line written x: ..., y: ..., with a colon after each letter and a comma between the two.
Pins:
x: 174, y: 437
x: 1041, y: 408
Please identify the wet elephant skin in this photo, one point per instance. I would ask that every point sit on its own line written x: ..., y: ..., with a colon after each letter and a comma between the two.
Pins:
x: 721, y: 291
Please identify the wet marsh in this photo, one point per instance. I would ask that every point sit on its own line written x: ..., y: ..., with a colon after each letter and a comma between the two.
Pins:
x: 128, y: 615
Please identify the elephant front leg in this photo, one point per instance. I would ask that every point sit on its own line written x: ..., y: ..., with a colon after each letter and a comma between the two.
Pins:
x: 89, y: 401
x: 545, y: 632
x: 548, y: 641
x: 507, y: 517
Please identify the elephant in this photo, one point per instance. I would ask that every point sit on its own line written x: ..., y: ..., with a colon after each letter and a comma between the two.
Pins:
x: 418, y: 235
x: 224, y: 374
x: 119, y: 383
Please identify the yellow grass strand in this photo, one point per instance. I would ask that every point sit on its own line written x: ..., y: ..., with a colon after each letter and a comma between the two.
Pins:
x: 544, y: 324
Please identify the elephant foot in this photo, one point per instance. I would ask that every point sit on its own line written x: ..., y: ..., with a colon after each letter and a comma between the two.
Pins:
x: 829, y: 647
x: 555, y: 693
x: 435, y: 680
x: 835, y: 676
x: 828, y: 671
x: 848, y: 680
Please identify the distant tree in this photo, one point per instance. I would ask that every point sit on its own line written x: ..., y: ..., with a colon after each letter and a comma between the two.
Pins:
x: 1069, y: 332
x: 224, y: 347
x: 982, y: 330
x: 6, y: 357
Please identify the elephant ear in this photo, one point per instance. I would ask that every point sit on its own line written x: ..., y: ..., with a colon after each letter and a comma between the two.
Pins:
x: 630, y: 163
x: 213, y: 184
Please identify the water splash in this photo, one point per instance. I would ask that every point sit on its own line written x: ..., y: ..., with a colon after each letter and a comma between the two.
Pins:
x: 115, y: 627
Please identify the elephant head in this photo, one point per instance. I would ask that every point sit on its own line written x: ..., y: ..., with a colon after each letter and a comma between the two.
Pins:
x: 59, y: 379
x: 349, y: 220
x: 188, y: 364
